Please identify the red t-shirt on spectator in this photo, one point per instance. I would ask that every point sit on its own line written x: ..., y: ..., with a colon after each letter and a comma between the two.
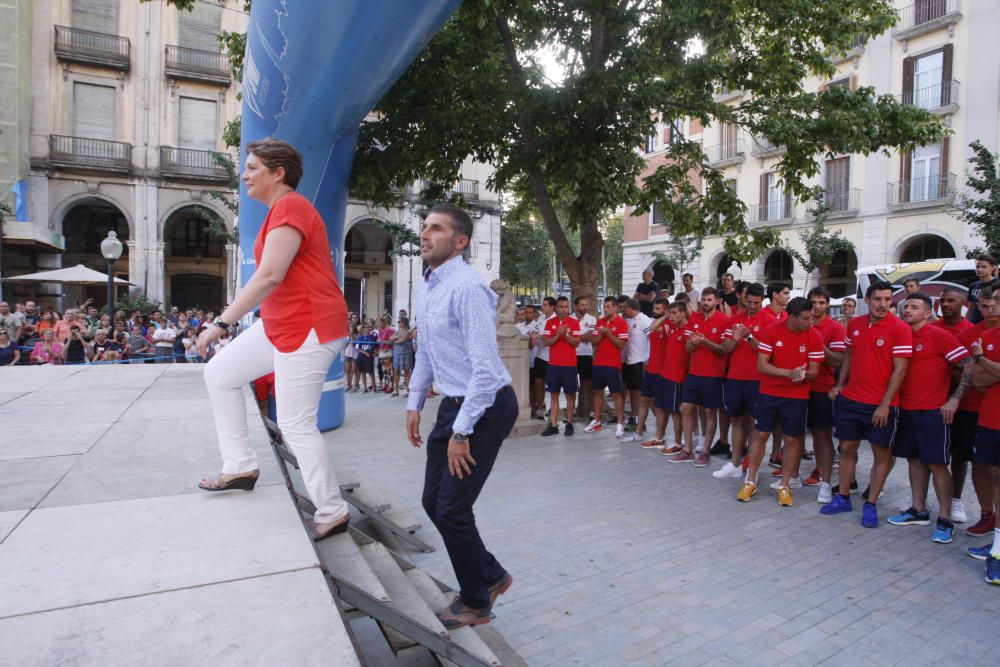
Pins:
x: 743, y: 359
x: 873, y: 348
x: 676, y: 358
x: 309, y: 296
x: 561, y: 353
x: 989, y: 415
x: 928, y: 376
x: 607, y: 354
x: 657, y: 349
x: 832, y: 332
x: 704, y: 362
x: 788, y: 349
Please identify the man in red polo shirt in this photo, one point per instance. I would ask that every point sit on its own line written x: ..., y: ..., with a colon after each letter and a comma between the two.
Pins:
x: 610, y: 336
x: 925, y: 413
x: 788, y: 357
x: 561, y: 336
x: 743, y: 379
x: 658, y: 331
x: 866, y: 396
x: 673, y: 370
x: 703, y: 384
x: 963, y: 427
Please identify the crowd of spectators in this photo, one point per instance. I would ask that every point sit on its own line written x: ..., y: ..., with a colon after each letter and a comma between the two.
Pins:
x: 84, y: 335
x: 376, y: 348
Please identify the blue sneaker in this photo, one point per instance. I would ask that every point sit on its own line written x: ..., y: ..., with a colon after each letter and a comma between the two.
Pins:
x: 838, y: 505
x: 980, y: 553
x: 911, y: 517
x: 944, y: 531
x: 869, y: 516
x: 992, y: 570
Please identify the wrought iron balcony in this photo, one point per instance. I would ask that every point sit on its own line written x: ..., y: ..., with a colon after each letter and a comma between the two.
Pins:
x: 941, y: 97
x: 922, y: 191
x: 842, y: 203
x: 764, y: 148
x: 925, y: 16
x: 469, y: 189
x: 779, y: 211
x: 92, y: 48
x: 855, y: 50
x: 90, y: 154
x: 198, y: 65
x: 726, y: 154
x: 194, y: 165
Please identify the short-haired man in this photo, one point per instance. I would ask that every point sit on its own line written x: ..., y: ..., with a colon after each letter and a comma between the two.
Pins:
x: 910, y: 286
x: 742, y: 383
x: 561, y: 336
x: 848, y: 307
x: 9, y: 321
x: 532, y: 327
x: 819, y: 419
x: 788, y: 357
x: 926, y: 410
x: 646, y: 293
x: 610, y: 336
x: 584, y: 355
x: 986, y: 271
x: 866, y: 396
x: 541, y: 367
x: 658, y: 328
x: 729, y: 299
x: 687, y: 280
x: 673, y: 371
x: 703, y: 384
x: 635, y: 354
x: 778, y: 295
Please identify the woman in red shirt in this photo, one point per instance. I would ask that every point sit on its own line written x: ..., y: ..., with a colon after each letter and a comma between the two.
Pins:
x: 303, y: 326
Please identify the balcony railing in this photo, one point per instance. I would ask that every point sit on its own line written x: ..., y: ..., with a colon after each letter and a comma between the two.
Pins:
x: 468, y: 188
x: 856, y: 48
x: 198, y: 65
x: 844, y: 202
x: 926, y: 15
x: 187, y: 163
x: 773, y: 212
x: 367, y: 257
x: 726, y: 154
x: 90, y: 154
x: 943, y: 95
x: 92, y: 48
x: 764, y: 148
x: 922, y: 191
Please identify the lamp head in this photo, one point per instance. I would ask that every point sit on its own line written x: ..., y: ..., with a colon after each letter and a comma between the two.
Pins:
x: 111, y: 247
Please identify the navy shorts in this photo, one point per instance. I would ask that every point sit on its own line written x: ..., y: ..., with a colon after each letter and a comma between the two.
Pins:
x: 633, y: 376
x: 820, y: 413
x: 703, y: 391
x: 986, y: 448
x: 853, y: 421
x: 668, y: 395
x: 585, y: 366
x: 539, y: 370
x: 740, y: 397
x: 607, y: 377
x: 561, y: 378
x: 923, y: 435
x: 789, y: 412
x: 963, y: 434
x: 649, y: 385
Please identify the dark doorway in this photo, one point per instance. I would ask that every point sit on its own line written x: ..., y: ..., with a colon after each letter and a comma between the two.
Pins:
x: 196, y: 290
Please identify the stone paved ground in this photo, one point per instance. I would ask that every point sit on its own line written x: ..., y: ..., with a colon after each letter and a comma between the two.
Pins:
x: 621, y: 558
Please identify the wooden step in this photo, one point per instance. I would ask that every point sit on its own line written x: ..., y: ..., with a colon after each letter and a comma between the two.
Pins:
x: 404, y: 597
x: 342, y: 558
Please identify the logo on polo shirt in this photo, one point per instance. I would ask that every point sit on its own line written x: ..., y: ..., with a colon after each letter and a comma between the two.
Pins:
x: 880, y: 342
x: 990, y: 346
x: 920, y: 347
x: 802, y: 348
x: 779, y: 344
x: 857, y: 333
x: 756, y: 328
x: 715, y: 329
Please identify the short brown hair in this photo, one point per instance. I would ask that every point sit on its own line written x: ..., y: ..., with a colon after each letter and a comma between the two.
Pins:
x: 274, y: 153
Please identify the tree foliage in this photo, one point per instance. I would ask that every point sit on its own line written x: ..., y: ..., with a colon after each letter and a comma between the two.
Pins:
x: 613, y: 231
x: 405, y: 241
x: 820, y: 245
x: 680, y: 251
x: 525, y: 256
x: 982, y: 209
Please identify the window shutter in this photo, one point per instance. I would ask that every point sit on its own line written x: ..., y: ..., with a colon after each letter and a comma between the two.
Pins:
x: 946, y: 75
x: 787, y: 213
x: 93, y: 111
x: 854, y: 82
x: 905, y: 170
x: 96, y: 15
x: 198, y: 124
x: 200, y: 28
x: 908, y: 80
x: 945, y: 145
x: 763, y: 197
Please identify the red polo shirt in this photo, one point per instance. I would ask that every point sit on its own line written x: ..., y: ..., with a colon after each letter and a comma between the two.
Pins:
x: 832, y: 333
x: 743, y: 359
x: 962, y: 325
x: 973, y: 399
x: 788, y: 349
x: 657, y: 349
x: 873, y: 348
x: 676, y: 357
x: 928, y: 376
x: 561, y: 353
x: 989, y: 414
x: 774, y: 317
x: 607, y: 354
x: 704, y: 362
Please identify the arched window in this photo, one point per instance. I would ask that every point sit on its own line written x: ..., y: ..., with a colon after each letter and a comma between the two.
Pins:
x: 354, y: 246
x: 927, y: 246
x: 839, y: 276
x: 663, y: 275
x: 188, y: 236
x: 779, y: 266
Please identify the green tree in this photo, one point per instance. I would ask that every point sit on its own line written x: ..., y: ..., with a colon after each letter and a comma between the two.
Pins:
x: 820, y: 245
x: 405, y: 241
x: 681, y: 251
x: 613, y: 231
x: 982, y: 209
x: 525, y: 256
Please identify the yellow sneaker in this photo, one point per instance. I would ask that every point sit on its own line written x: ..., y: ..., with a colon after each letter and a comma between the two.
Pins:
x: 784, y: 496
x: 746, y: 492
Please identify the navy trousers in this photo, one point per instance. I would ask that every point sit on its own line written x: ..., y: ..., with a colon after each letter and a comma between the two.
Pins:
x: 448, y: 500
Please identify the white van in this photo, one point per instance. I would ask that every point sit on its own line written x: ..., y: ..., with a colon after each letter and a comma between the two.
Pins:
x: 934, y: 275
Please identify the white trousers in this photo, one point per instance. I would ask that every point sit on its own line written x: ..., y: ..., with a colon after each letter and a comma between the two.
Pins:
x: 298, y: 385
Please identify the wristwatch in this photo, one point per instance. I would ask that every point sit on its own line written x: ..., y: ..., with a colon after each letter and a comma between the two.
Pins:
x: 459, y: 437
x: 222, y: 325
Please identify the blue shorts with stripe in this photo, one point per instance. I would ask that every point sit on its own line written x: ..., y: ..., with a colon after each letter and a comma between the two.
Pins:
x: 668, y: 395
x: 853, y: 421
x: 607, y: 377
x: 649, y: 385
x: 790, y: 412
x: 820, y: 414
x: 561, y: 378
x: 986, y: 448
x: 703, y: 391
x: 923, y: 435
x: 740, y: 397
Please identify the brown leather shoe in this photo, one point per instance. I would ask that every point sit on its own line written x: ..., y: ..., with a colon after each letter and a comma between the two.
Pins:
x: 500, y: 587
x: 458, y: 615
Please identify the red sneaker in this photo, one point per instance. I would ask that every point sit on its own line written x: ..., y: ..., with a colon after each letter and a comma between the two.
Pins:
x: 776, y: 473
x: 985, y: 525
x: 813, y: 479
x: 702, y: 460
x: 682, y: 457
x: 746, y: 463
x: 775, y: 461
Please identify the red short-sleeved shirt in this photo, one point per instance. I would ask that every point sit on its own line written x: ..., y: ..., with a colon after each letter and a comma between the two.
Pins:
x: 873, y: 348
x: 773, y: 316
x: 561, y: 353
x: 743, y: 359
x: 788, y: 349
x: 962, y: 325
x: 309, y: 296
x: 607, y: 354
x: 704, y: 362
x: 973, y: 399
x: 676, y: 357
x: 928, y: 376
x: 657, y: 349
x: 989, y: 414
x: 832, y: 332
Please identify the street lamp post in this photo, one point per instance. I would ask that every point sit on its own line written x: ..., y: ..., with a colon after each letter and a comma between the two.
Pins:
x: 111, y: 248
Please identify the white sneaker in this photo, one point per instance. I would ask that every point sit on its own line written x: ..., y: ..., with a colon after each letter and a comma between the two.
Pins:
x: 958, y: 514
x: 620, y: 431
x: 728, y: 471
x: 825, y: 493
x: 796, y: 483
x: 630, y: 437
x: 594, y: 425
